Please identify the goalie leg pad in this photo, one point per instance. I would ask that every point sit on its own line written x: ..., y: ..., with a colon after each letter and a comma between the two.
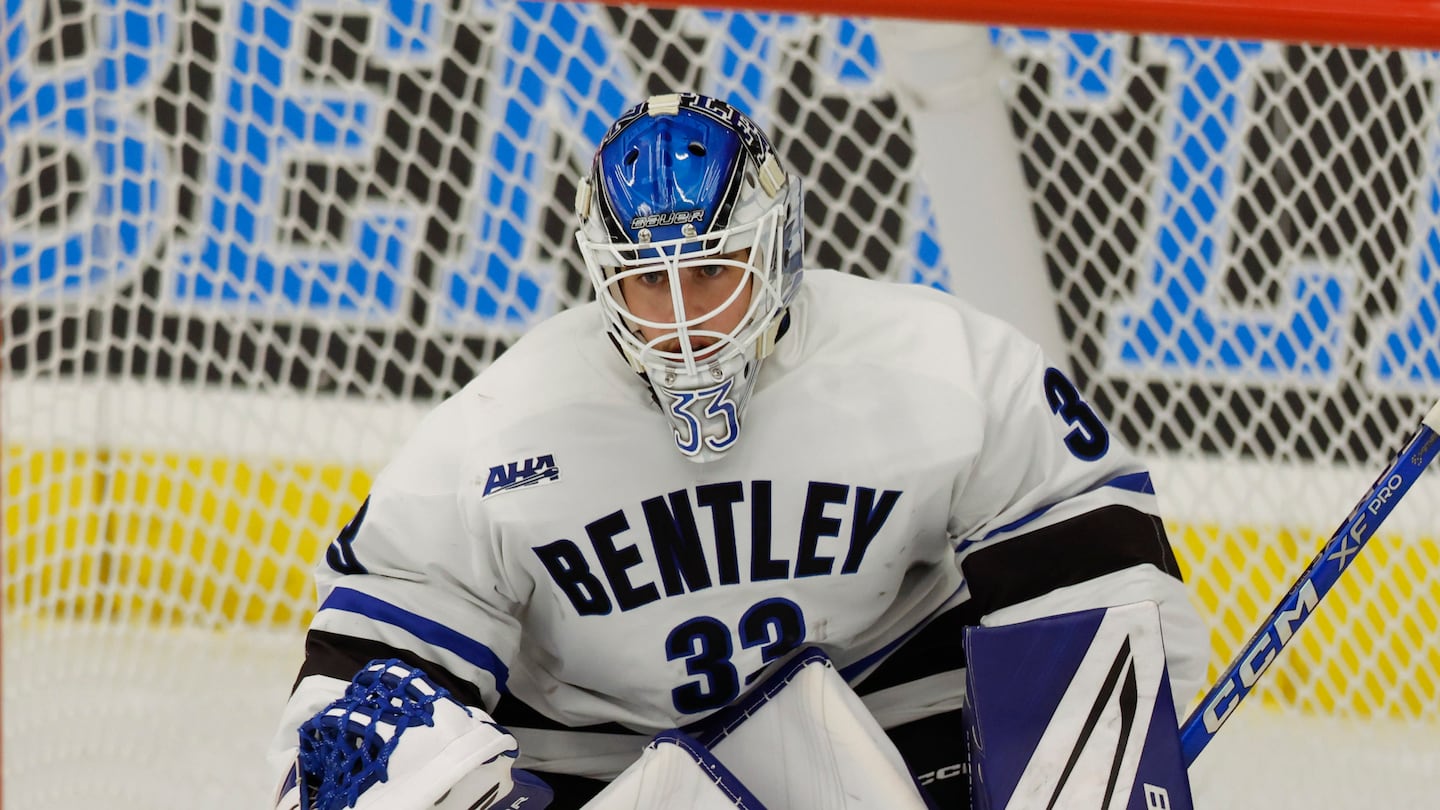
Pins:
x: 1074, y: 711
x: 800, y: 740
x: 675, y: 771
x: 803, y: 740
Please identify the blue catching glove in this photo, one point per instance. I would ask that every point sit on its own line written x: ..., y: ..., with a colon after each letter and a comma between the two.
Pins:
x: 396, y: 740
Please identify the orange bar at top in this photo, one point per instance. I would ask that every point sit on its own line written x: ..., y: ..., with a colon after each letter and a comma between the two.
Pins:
x: 1394, y: 23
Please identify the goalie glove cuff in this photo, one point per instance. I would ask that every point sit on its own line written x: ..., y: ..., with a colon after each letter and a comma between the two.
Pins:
x: 397, y: 740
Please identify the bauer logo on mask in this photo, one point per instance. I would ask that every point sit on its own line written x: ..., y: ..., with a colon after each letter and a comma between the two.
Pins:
x: 667, y: 218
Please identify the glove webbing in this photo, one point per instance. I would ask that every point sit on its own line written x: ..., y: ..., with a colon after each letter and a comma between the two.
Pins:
x: 346, y: 748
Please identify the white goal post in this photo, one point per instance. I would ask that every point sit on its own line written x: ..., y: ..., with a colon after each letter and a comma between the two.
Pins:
x: 244, y: 244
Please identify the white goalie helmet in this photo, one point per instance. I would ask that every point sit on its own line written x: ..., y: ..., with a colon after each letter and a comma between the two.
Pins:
x: 686, y: 187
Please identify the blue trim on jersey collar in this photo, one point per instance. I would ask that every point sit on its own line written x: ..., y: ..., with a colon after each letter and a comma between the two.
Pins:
x: 1130, y: 482
x: 427, y: 630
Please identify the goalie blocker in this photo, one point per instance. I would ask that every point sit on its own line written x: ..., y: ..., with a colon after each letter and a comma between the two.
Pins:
x: 1074, y: 711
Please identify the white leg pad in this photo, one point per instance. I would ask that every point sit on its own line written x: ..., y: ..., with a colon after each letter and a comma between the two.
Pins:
x: 801, y: 740
x: 675, y: 771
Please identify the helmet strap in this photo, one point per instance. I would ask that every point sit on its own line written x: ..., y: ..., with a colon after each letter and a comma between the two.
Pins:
x: 766, y: 344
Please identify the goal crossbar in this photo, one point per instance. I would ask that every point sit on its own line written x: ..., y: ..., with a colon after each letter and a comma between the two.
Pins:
x: 1393, y: 23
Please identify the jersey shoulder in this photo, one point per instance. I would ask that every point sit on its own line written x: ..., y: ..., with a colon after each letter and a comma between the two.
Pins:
x: 561, y: 368
x: 563, y: 362
x: 566, y: 352
x: 852, y: 320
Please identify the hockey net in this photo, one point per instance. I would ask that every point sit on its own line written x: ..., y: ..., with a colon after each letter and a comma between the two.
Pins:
x: 245, y: 244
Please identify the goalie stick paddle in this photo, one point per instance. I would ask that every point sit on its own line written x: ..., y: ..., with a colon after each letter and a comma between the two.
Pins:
x: 1312, y: 585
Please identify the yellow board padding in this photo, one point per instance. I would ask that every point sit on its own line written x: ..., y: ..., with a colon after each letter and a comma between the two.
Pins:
x: 1371, y: 648
x: 167, y: 537
x: 172, y: 538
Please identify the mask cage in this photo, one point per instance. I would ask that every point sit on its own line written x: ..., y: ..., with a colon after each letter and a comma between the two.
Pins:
x: 609, y: 263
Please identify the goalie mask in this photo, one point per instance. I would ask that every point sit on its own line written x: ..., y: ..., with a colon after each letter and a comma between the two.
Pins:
x: 691, y: 233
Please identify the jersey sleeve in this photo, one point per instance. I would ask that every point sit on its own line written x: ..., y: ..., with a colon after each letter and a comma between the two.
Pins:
x: 1056, y: 515
x: 409, y: 578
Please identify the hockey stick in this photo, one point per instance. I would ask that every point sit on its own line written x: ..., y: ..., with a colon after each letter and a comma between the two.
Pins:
x: 1316, y: 581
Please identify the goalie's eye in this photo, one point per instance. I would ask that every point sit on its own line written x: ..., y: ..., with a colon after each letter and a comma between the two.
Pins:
x: 654, y: 278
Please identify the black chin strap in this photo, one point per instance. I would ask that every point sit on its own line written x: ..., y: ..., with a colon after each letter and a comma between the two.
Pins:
x: 784, y: 326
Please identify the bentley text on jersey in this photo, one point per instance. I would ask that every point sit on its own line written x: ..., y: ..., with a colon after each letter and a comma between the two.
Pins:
x: 836, y: 526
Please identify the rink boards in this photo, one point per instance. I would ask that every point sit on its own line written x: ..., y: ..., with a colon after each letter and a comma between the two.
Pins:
x: 164, y: 535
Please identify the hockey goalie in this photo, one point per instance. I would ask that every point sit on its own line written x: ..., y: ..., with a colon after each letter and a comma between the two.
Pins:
x: 1072, y: 712
x: 653, y: 505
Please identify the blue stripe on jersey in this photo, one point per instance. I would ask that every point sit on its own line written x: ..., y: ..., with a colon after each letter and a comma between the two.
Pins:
x: 427, y: 630
x: 1134, y: 482
x: 1130, y: 482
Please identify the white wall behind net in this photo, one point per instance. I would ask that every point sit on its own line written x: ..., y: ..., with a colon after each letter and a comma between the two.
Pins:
x: 243, y: 245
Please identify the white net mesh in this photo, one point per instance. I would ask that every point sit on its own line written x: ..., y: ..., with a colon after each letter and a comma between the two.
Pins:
x: 244, y: 244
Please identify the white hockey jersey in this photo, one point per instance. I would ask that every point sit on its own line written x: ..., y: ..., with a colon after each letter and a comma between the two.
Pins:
x: 906, y: 465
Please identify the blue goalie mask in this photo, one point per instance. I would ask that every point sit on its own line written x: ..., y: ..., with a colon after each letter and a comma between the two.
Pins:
x: 691, y: 231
